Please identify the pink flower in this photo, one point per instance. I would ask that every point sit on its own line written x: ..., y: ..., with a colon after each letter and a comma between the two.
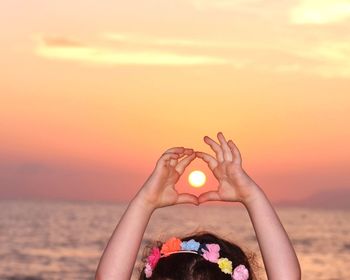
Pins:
x: 148, y: 270
x: 240, y: 273
x: 212, y: 253
x: 154, y: 257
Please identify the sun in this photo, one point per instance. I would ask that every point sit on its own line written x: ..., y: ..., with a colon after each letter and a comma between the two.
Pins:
x: 197, y: 179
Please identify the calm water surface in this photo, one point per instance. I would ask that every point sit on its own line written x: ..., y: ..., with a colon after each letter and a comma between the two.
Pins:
x: 64, y: 240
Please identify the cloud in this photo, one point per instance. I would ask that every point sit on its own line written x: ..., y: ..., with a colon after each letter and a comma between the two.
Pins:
x: 327, y: 59
x: 320, y: 11
x: 66, y: 49
x: 58, y: 41
x: 222, y: 4
x: 330, y: 51
x: 153, y: 41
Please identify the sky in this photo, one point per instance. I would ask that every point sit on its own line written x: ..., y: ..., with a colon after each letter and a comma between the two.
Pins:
x: 93, y: 92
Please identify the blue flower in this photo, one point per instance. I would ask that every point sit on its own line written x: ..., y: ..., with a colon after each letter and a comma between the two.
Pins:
x: 190, y: 245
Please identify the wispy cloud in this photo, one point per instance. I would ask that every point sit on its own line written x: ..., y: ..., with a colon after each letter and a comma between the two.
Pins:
x: 326, y: 59
x: 300, y: 11
x: 59, y: 41
x: 222, y: 4
x: 154, y: 41
x: 330, y: 51
x: 320, y: 11
x: 67, y: 49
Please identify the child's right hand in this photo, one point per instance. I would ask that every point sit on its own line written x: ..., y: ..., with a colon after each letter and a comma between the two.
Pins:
x: 159, y: 189
x: 234, y: 182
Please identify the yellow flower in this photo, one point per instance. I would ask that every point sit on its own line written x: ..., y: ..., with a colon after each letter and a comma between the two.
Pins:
x: 225, y: 265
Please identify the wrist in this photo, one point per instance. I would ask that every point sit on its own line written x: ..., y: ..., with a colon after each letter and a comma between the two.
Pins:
x: 255, y: 194
x: 142, y: 203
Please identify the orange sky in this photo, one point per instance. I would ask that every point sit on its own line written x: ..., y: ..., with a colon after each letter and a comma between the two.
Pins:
x: 92, y: 92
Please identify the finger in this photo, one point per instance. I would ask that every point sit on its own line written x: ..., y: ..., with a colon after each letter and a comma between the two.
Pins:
x: 181, y: 166
x: 177, y: 150
x: 186, y: 151
x: 236, y: 154
x: 173, y: 162
x: 165, y: 158
x: 215, y: 147
x: 187, y: 198
x: 169, y: 156
x: 209, y: 196
x: 211, y: 161
x: 225, y: 148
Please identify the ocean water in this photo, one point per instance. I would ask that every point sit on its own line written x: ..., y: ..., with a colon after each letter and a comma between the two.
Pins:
x: 64, y: 240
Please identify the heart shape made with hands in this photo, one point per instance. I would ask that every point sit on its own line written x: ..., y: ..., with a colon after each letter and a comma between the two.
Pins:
x: 226, y: 166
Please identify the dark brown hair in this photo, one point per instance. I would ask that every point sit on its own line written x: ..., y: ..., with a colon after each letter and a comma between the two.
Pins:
x: 184, y: 266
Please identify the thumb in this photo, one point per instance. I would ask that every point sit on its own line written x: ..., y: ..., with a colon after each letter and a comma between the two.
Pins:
x: 187, y: 198
x: 209, y: 196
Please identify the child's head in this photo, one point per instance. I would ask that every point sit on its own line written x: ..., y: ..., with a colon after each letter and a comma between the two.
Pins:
x: 207, y: 257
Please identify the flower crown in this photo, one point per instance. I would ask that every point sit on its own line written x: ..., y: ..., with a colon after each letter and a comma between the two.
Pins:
x: 210, y: 252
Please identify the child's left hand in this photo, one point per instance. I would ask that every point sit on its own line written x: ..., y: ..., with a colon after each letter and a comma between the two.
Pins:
x: 159, y: 189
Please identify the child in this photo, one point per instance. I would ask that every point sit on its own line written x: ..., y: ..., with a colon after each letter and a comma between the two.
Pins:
x: 203, y: 256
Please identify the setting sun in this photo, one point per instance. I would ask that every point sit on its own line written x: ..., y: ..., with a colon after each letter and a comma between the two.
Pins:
x: 197, y: 179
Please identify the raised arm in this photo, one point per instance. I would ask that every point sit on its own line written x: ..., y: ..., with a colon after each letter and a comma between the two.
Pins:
x: 277, y: 251
x: 118, y: 258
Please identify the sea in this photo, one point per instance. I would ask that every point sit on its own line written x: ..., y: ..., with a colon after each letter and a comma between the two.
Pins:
x: 55, y: 240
